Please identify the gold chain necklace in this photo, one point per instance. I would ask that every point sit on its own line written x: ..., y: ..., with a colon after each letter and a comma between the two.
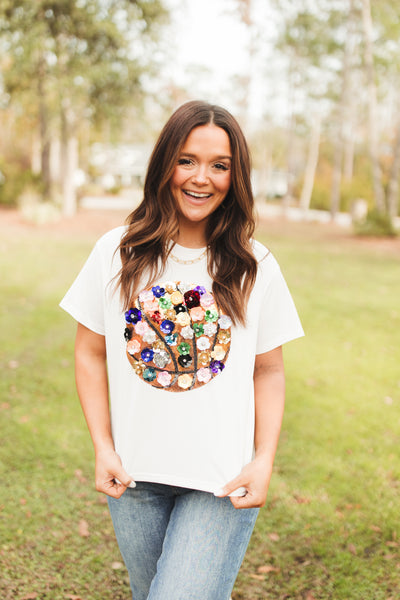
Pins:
x: 188, y: 262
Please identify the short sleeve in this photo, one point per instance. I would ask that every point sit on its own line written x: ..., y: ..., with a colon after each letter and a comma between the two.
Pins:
x: 84, y: 300
x: 278, y: 322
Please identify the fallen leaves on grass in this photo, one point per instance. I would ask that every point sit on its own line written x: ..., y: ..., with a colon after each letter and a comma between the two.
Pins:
x: 302, y: 499
x: 274, y: 537
x: 351, y: 548
x: 80, y: 477
x: 268, y: 569
x: 83, y: 528
x: 32, y: 596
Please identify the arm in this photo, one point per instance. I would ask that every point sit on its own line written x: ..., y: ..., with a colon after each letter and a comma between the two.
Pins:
x: 269, y: 392
x: 92, y: 387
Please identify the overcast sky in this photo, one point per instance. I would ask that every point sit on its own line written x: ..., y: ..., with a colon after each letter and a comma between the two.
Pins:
x: 209, y: 46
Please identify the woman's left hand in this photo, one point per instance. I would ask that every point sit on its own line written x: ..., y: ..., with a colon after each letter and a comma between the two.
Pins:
x: 255, y: 478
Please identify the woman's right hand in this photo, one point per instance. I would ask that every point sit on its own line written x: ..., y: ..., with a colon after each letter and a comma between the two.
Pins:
x: 111, y: 477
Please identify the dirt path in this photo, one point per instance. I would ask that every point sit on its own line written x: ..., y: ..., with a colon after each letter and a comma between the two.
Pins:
x: 94, y: 223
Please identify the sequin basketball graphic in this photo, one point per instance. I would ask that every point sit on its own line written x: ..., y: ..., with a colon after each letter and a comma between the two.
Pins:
x: 177, y: 339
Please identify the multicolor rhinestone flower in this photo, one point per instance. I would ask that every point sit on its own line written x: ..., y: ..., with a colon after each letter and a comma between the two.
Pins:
x: 177, y: 338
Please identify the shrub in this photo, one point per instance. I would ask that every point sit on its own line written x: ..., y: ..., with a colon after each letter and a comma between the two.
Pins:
x: 15, y: 182
x: 376, y: 224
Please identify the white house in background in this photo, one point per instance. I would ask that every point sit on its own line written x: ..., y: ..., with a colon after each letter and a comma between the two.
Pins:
x: 270, y: 183
x: 120, y: 165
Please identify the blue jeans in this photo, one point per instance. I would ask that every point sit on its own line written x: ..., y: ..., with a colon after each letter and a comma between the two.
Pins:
x: 180, y: 544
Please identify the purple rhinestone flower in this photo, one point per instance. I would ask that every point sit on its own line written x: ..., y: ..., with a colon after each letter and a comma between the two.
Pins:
x: 216, y: 366
x: 199, y: 288
x: 133, y: 315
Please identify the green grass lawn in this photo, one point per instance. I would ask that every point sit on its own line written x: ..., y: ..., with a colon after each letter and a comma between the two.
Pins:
x: 331, y: 525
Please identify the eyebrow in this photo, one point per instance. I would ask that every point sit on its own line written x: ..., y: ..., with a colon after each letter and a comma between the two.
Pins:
x: 222, y: 157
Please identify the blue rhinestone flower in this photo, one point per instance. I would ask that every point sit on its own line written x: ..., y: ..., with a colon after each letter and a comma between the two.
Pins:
x: 149, y: 374
x: 147, y: 354
x: 158, y: 291
x: 171, y: 339
x: 133, y: 315
x: 167, y: 326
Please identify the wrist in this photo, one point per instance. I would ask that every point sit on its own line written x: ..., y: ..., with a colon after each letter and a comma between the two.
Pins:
x: 265, y: 456
x: 104, y: 447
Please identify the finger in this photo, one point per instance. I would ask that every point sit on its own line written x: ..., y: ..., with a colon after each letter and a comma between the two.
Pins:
x: 247, y: 501
x: 122, y: 477
x: 230, y: 487
x: 111, y: 488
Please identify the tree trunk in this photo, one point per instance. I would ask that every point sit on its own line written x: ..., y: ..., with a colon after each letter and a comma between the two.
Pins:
x: 311, y: 167
x: 348, y: 155
x: 372, y: 104
x: 36, y: 159
x: 245, y: 10
x: 343, y: 114
x: 336, y: 176
x: 44, y: 130
x: 69, y: 162
x: 291, y: 134
x: 393, y: 187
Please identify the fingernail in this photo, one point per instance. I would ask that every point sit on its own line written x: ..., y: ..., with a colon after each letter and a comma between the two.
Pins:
x: 132, y: 484
x: 219, y: 492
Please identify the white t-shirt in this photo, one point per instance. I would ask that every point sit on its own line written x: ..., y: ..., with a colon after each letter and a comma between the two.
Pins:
x: 180, y: 374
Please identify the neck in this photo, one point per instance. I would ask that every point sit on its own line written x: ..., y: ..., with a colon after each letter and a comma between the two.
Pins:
x: 191, y: 237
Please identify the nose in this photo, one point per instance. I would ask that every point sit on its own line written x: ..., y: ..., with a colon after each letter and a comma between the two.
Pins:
x: 200, y: 176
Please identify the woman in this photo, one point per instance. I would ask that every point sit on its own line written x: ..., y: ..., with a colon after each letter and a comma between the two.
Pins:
x: 190, y: 314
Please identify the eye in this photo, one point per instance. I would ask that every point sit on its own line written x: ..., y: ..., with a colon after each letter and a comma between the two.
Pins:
x: 221, y: 167
x: 184, y: 161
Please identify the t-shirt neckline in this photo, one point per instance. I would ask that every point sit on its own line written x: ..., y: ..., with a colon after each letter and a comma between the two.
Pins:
x: 185, y: 253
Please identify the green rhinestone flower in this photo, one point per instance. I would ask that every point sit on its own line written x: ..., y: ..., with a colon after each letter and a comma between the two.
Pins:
x: 184, y: 348
x: 198, y: 329
x: 164, y: 303
x: 211, y: 316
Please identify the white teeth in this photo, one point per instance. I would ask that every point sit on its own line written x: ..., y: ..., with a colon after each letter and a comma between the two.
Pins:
x: 197, y: 195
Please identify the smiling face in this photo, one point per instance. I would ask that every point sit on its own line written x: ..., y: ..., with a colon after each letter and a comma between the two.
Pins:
x: 201, y: 180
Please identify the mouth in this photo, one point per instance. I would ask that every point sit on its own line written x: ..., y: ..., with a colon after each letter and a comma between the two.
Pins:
x: 197, y: 195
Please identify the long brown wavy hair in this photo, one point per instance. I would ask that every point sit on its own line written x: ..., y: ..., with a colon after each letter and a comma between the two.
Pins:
x: 145, y: 246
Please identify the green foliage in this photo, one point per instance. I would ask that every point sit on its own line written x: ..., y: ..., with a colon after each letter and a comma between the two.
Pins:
x: 330, y: 529
x: 360, y: 185
x: 16, y: 181
x: 376, y: 224
x: 78, y: 52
